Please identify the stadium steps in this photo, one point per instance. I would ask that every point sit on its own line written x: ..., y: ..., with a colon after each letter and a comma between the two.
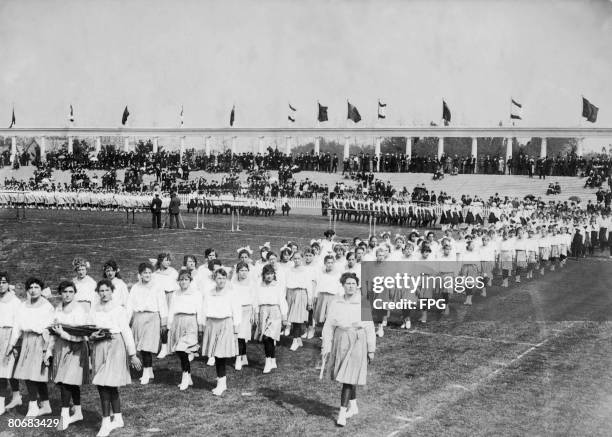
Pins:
x: 482, y: 185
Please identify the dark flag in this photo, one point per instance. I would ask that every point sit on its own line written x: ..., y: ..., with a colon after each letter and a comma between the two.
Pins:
x: 381, y: 109
x: 126, y: 114
x: 353, y: 113
x: 12, y: 119
x: 292, y: 108
x: 232, y: 115
x: 291, y: 119
x: 589, y: 111
x: 516, y: 110
x: 322, y: 113
x: 71, y: 118
x: 446, y: 114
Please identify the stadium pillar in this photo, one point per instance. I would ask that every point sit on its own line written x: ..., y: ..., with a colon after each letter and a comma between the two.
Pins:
x: 207, y: 146
x: 579, y: 147
x: 317, y: 147
x: 509, y: 141
x: 182, y: 150
x: 70, y: 145
x: 440, y: 147
x: 13, y: 149
x: 288, y: 146
x: 377, y: 152
x: 543, y: 148
x: 233, y: 145
x: 347, y: 145
x: 98, y: 145
x: 43, y: 149
x: 409, y: 142
x: 260, y: 146
x: 155, y: 144
x: 126, y: 144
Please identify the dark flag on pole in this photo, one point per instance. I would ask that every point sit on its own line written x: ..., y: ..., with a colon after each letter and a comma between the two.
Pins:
x: 71, y: 118
x: 516, y: 110
x: 12, y: 119
x: 353, y: 113
x: 125, y: 116
x: 291, y: 117
x: 589, y: 111
x: 322, y: 112
x: 382, y: 107
x: 446, y: 114
x: 232, y: 115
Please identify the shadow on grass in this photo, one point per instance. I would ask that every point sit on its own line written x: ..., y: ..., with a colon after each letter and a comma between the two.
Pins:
x: 309, y: 405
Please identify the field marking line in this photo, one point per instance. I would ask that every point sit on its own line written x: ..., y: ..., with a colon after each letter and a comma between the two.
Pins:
x: 471, y: 337
x: 490, y: 376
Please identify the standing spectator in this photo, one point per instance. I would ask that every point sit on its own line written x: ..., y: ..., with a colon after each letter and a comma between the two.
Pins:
x: 174, y: 209
x: 156, y: 207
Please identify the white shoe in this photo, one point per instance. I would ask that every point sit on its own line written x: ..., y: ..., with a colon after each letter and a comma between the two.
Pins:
x: 105, y: 428
x: 384, y: 322
x: 294, y: 345
x: 190, y: 381
x: 305, y: 334
x: 184, y: 385
x: 146, y: 375
x: 408, y: 324
x: 2, y: 408
x: 190, y: 357
x: 221, y: 386
x: 211, y: 361
x: 311, y: 332
x: 273, y: 363
x: 287, y: 330
x: 117, y: 421
x: 32, y: 409
x: 78, y: 414
x: 163, y: 352
x: 45, y: 408
x: 342, y: 417
x: 352, y: 409
x: 380, y: 332
x: 238, y: 364
x: 268, y: 365
x: 64, y: 419
x: 403, y: 326
x: 15, y: 401
x: 484, y: 292
x: 245, y: 360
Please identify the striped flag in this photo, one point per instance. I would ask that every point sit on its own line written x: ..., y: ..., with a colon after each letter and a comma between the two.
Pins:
x: 12, y: 119
x: 516, y: 110
x: 291, y: 116
x: 125, y: 116
x: 589, y: 111
x: 71, y: 116
x: 232, y: 115
x: 382, y: 109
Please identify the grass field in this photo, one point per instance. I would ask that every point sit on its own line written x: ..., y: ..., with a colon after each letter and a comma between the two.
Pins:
x: 534, y: 359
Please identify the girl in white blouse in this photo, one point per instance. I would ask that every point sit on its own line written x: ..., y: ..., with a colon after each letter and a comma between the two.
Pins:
x: 299, y: 285
x: 148, y: 313
x: 85, y: 284
x: 111, y: 271
x: 9, y: 307
x: 223, y: 316
x: 186, y: 321
x: 70, y: 367
x: 165, y: 276
x: 33, y: 318
x: 110, y: 368
x: 243, y: 288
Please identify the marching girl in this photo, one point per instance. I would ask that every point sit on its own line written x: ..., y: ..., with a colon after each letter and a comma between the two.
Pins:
x: 244, y: 255
x: 223, y: 317
x: 487, y: 265
x: 111, y: 272
x: 244, y: 292
x: 190, y: 264
x: 448, y: 270
x: 9, y: 309
x: 70, y: 353
x: 33, y: 318
x: 263, y: 253
x: 85, y: 284
x: 310, y: 263
x: 165, y: 276
x: 326, y: 288
x: 565, y: 240
x: 209, y: 255
x: 352, y: 266
x: 521, y: 246
x: 554, y: 247
x: 285, y: 258
x: 186, y: 321
x: 299, y: 285
x: 470, y: 264
x: 506, y: 256
x: 348, y: 345
x: 281, y: 278
x: 340, y: 252
x: 426, y: 290
x: 148, y: 313
x: 544, y: 249
x: 110, y: 364
x: 532, y: 246
x: 271, y: 313
x: 327, y: 245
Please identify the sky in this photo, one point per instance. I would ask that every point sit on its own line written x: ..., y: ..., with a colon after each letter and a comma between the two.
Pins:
x: 207, y: 56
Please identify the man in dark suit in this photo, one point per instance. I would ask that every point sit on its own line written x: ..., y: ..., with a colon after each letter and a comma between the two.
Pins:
x: 156, y: 207
x: 174, y: 209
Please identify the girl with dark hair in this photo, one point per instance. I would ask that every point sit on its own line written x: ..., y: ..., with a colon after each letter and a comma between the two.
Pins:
x: 110, y: 364
x: 165, y: 276
x: 9, y: 310
x: 85, y: 284
x: 223, y: 316
x: 33, y: 318
x: 299, y: 298
x: 271, y: 313
x: 243, y: 288
x: 186, y: 322
x: 70, y: 367
x: 111, y: 272
x: 348, y: 345
x: 148, y: 313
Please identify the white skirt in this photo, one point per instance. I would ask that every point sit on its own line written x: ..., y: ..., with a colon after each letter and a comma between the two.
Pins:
x: 183, y: 335
x: 297, y: 300
x: 269, y: 323
x: 219, y: 338
x: 324, y: 301
x: 110, y: 362
x: 146, y: 329
x: 70, y: 362
x: 30, y: 365
x: 7, y: 363
x: 245, y: 331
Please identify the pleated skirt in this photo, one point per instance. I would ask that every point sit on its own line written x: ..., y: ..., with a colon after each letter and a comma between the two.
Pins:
x: 521, y: 261
x: 7, y: 363
x: 146, y: 330
x: 269, y: 323
x: 505, y: 260
x: 219, y: 338
x: 70, y: 362
x: 324, y: 301
x: 532, y: 259
x: 183, y: 335
x: 245, y: 331
x: 30, y: 365
x: 348, y: 359
x: 487, y: 268
x: 544, y: 253
x: 110, y: 365
x: 554, y: 251
x: 297, y: 300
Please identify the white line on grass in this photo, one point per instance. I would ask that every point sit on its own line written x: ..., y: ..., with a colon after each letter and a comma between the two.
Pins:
x: 471, y: 337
